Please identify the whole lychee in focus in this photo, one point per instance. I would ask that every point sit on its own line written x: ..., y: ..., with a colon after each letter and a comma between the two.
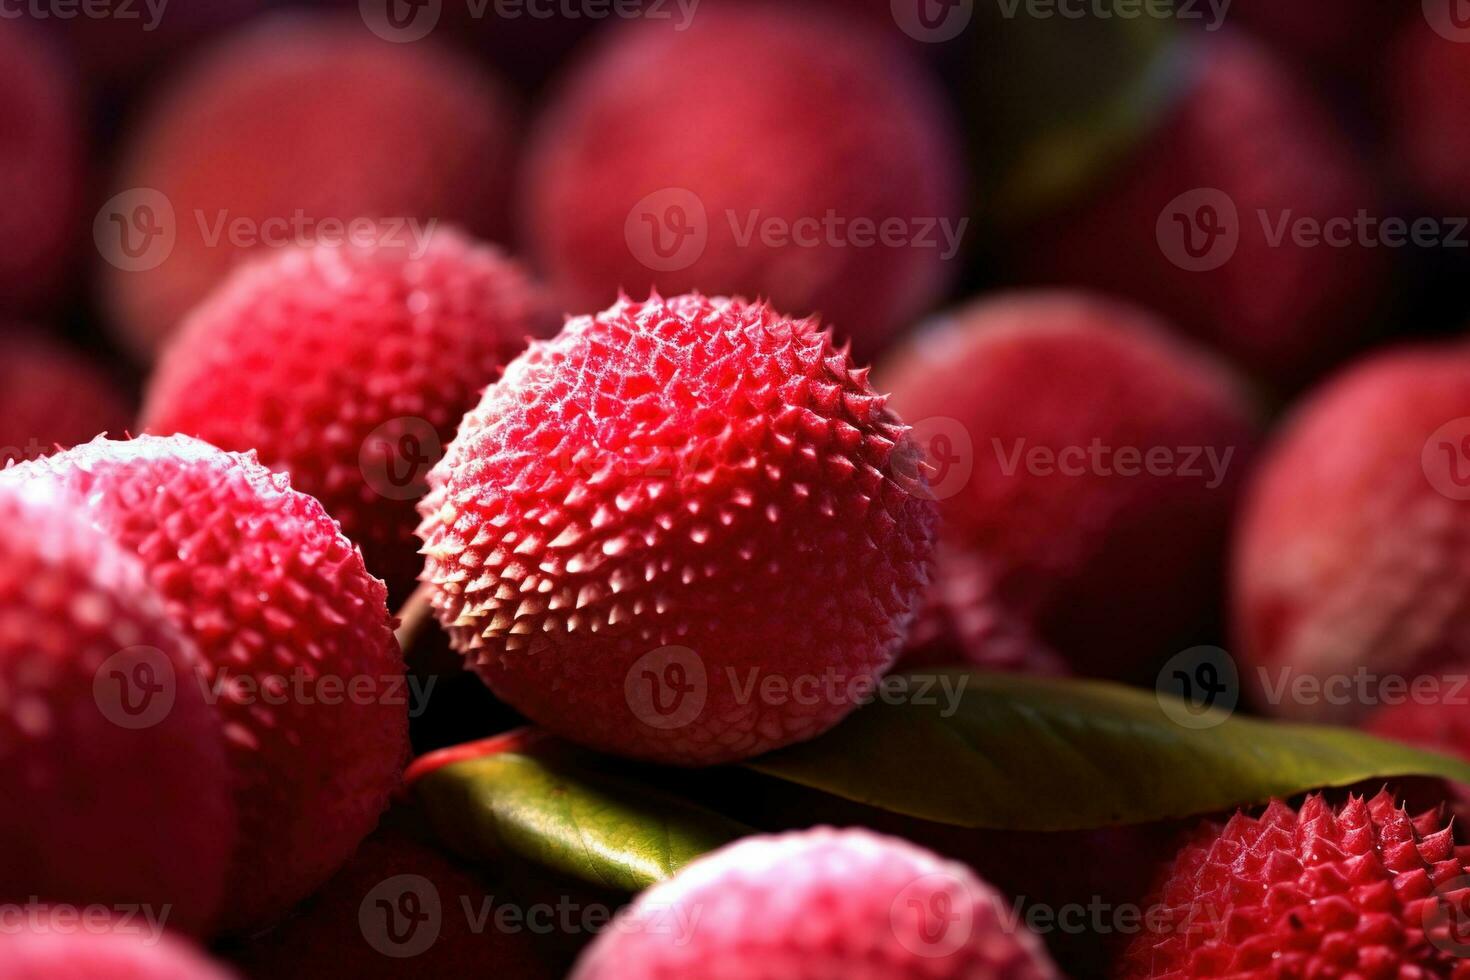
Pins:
x: 41, y: 151
x: 684, y: 530
x: 816, y: 904
x: 128, y: 950
x: 763, y: 151
x: 1238, y: 220
x: 1351, y: 554
x: 51, y: 396
x: 349, y: 368
x: 110, y: 760
x: 295, y: 642
x: 399, y: 904
x: 298, y: 130
x: 1086, y: 464
x: 1361, y: 890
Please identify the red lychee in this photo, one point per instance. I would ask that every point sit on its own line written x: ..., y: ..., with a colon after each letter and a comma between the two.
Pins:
x: 112, y: 762
x: 51, y: 396
x: 40, y: 166
x: 294, y: 131
x: 62, y: 949
x: 1427, y: 101
x: 348, y: 368
x: 779, y: 152
x: 399, y: 907
x: 1350, y: 561
x: 1086, y: 466
x: 1361, y: 890
x: 683, y: 530
x: 295, y: 642
x: 1238, y: 220
x: 815, y: 904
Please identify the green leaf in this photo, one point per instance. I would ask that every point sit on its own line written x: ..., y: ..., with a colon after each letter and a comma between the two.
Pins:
x: 605, y: 830
x: 1034, y: 754
x: 1056, y: 102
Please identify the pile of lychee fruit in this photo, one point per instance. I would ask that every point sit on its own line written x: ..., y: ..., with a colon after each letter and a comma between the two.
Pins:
x: 656, y: 379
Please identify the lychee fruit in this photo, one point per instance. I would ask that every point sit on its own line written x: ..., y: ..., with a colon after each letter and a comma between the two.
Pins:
x: 1086, y: 462
x: 1349, y: 565
x: 52, y: 397
x: 349, y: 368
x: 1427, y: 97
x: 298, y: 130
x: 399, y: 905
x: 815, y: 904
x: 1360, y: 890
x: 58, y: 948
x: 104, y: 736
x: 1238, y: 220
x: 295, y: 639
x: 755, y: 152
x: 41, y: 152
x: 684, y: 530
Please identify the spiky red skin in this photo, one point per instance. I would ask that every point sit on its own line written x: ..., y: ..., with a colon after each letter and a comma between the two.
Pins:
x: 1105, y: 567
x: 40, y: 166
x: 268, y: 588
x: 697, y: 473
x: 1363, y: 890
x: 122, y: 953
x: 1250, y: 129
x: 304, y: 355
x: 311, y: 115
x: 51, y: 396
x: 1347, y: 557
x: 327, y: 936
x: 152, y: 803
x: 1427, y: 98
x: 762, y: 113
x: 815, y: 904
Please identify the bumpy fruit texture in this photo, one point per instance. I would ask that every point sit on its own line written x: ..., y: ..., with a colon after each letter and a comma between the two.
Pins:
x: 127, y: 951
x: 292, y: 130
x: 813, y: 905
x: 1086, y: 464
x: 1351, y: 550
x: 398, y: 904
x: 104, y: 736
x: 1361, y: 890
x: 667, y: 504
x: 1426, y: 102
x: 295, y: 643
x: 52, y: 397
x: 1227, y: 182
x: 712, y: 158
x: 40, y: 166
x: 349, y: 369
